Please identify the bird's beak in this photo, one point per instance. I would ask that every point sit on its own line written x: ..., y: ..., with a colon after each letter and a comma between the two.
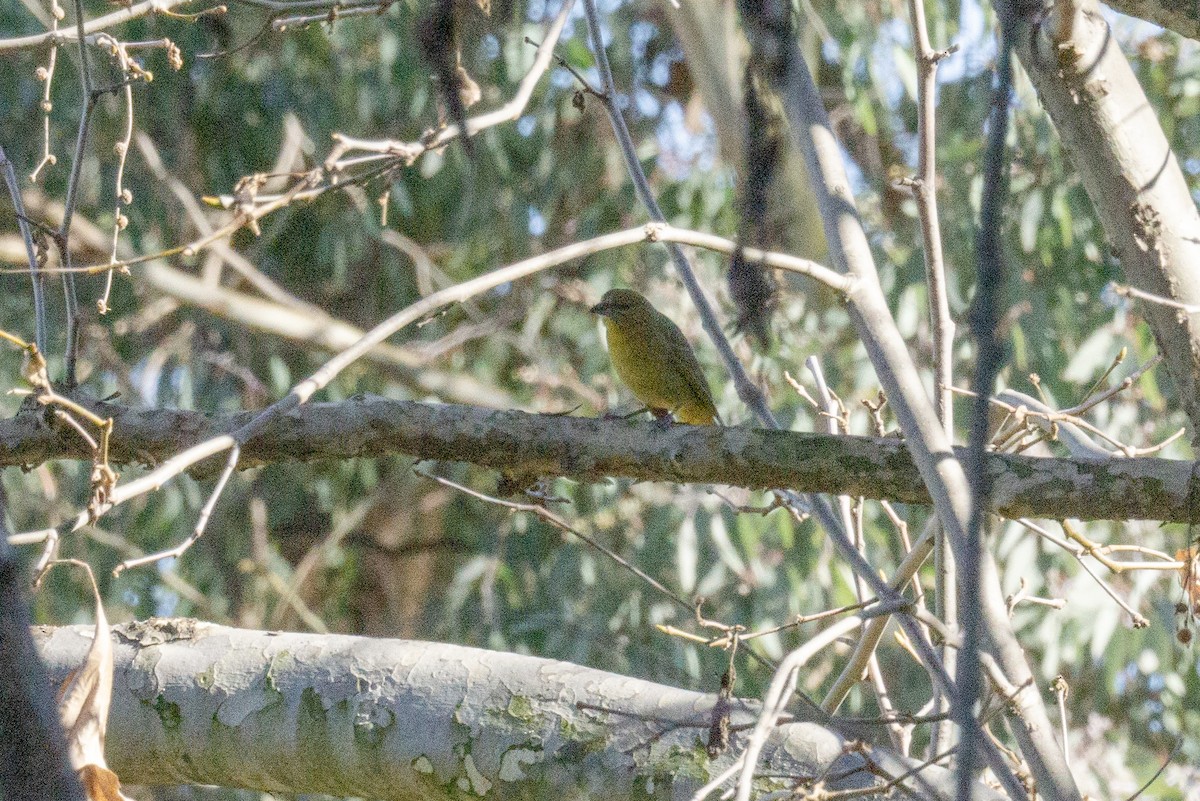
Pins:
x: 600, y: 309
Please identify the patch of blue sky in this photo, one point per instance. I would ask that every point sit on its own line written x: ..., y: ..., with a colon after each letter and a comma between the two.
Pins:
x: 641, y: 33
x: 545, y: 10
x: 1129, y: 30
x: 606, y: 35
x: 858, y: 182
x: 165, y: 601
x: 489, y: 47
x: 681, y: 150
x: 660, y: 70
x: 145, y: 376
x: 536, y: 10
x: 887, y: 77
x: 562, y: 79
x: 537, y: 222
x: 976, y: 45
x: 831, y: 51
x: 908, y: 143
x: 526, y: 125
x: 646, y: 104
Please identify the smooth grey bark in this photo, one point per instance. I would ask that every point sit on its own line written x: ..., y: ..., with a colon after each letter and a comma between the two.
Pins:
x: 1128, y: 169
x: 396, y: 719
x: 591, y: 449
x: 1181, y: 16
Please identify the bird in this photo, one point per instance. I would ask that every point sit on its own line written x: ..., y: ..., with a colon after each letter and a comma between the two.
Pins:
x: 653, y: 358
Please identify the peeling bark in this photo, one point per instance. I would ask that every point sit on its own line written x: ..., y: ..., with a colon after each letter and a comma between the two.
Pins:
x: 415, y: 721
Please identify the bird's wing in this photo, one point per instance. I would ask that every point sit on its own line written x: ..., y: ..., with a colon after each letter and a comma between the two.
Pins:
x: 690, y: 371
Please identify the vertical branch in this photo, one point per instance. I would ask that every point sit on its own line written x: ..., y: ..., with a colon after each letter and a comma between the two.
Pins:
x: 46, y: 76
x: 122, y: 194
x: 941, y: 323
x: 64, y: 230
x: 925, y: 188
x: 35, y: 274
x: 985, y: 317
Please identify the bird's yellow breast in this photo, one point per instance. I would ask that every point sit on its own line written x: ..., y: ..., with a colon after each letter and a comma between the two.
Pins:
x: 661, y: 373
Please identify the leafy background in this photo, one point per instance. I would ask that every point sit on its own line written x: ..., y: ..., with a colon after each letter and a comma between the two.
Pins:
x: 393, y: 553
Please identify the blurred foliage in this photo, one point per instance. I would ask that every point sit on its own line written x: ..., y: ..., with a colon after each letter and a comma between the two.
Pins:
x: 387, y: 552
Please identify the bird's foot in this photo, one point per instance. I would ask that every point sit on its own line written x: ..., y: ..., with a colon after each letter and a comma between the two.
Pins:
x: 662, y: 419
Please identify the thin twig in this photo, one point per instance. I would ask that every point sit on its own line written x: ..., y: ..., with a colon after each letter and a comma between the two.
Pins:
x: 201, y: 522
x: 545, y: 514
x: 941, y: 323
x: 1139, y: 621
x: 783, y: 684
x: 63, y: 235
x: 1060, y: 688
x: 126, y: 13
x: 1141, y: 294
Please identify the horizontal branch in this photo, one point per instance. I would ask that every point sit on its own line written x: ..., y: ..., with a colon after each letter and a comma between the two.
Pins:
x: 591, y: 449
x: 68, y: 32
x: 399, y: 719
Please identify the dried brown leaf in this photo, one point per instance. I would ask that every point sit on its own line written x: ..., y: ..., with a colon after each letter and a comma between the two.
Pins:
x: 83, y: 705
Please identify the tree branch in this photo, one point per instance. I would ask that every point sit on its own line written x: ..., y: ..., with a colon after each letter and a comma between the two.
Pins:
x: 1141, y: 195
x: 396, y: 719
x: 591, y: 449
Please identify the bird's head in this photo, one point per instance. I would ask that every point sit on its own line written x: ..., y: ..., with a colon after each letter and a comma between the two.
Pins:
x: 622, y: 304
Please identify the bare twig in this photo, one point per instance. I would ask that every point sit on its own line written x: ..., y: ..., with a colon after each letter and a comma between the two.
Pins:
x: 545, y: 514
x: 783, y: 684
x: 1139, y: 621
x: 201, y: 521
x: 510, y: 111
x: 1060, y: 688
x: 1150, y: 297
x: 46, y: 76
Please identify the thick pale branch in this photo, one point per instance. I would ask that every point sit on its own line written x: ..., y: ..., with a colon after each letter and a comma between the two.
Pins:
x: 395, y: 719
x: 590, y: 449
x: 1141, y: 194
x: 1183, y: 18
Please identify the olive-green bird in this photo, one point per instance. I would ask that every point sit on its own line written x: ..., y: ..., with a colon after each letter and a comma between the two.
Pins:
x: 654, y: 359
